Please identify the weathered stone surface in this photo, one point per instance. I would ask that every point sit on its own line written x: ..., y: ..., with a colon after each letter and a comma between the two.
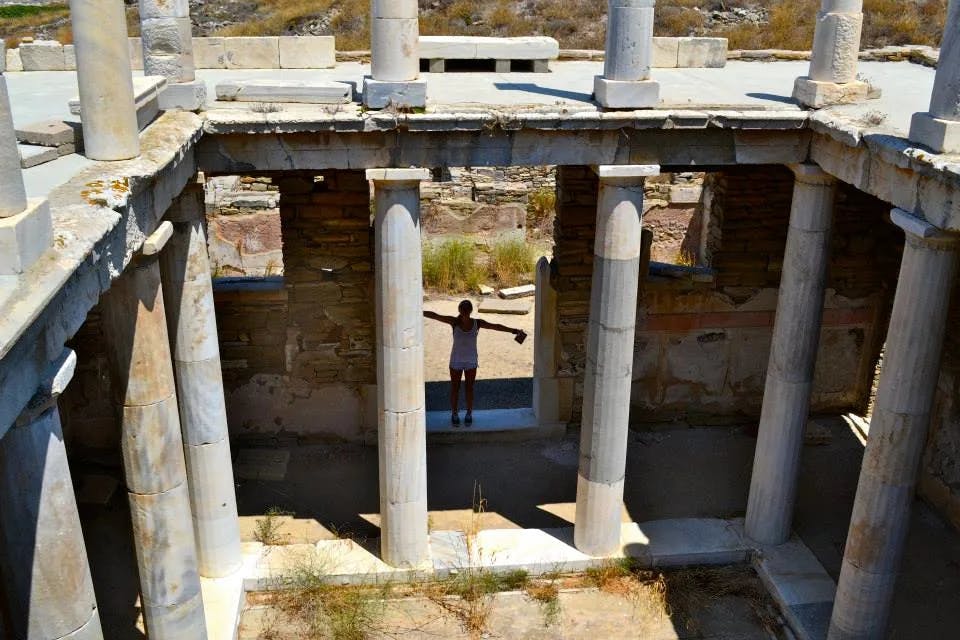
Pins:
x: 252, y: 53
x: 666, y: 52
x: 614, y: 94
x: 13, y: 61
x: 698, y: 53
x: 25, y: 237
x: 485, y: 48
x: 279, y: 91
x: 505, y: 307
x: 410, y: 94
x: 42, y: 55
x: 307, y: 52
x: 189, y: 96
x: 816, y: 94
x: 33, y: 155
x: 50, y: 133
x: 210, y: 53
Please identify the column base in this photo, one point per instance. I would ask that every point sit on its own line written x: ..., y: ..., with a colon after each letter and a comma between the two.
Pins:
x: 378, y: 94
x: 184, y: 96
x: 626, y: 94
x: 25, y: 237
x: 941, y: 136
x: 816, y: 94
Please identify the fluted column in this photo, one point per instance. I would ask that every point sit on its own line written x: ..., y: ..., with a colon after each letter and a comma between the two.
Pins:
x: 402, y: 438
x: 606, y: 392
x: 44, y: 559
x: 108, y: 111
x: 898, y: 431
x: 626, y: 83
x: 167, y: 39
x: 832, y: 78
x: 153, y: 457
x: 394, y: 56
x: 192, y: 325
x: 793, y: 357
x: 939, y: 128
x: 26, y: 229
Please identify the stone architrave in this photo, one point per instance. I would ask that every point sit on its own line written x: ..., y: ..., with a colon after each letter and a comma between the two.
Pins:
x: 44, y: 559
x: 832, y: 78
x: 626, y: 83
x: 402, y: 438
x: 606, y: 391
x: 192, y: 325
x: 153, y: 456
x: 793, y: 355
x: 394, y: 56
x: 939, y: 128
x: 110, y: 130
x: 898, y: 432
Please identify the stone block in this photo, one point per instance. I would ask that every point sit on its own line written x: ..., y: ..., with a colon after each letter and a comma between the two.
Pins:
x: 42, y: 55
x: 317, y: 92
x: 814, y: 94
x: 524, y: 291
x: 25, y: 237
x: 378, y: 94
x: 146, y: 94
x: 702, y: 52
x: 136, y: 54
x: 209, y: 53
x: 252, y: 53
x: 13, y: 61
x: 686, y: 193
x: 665, y: 52
x: 50, y: 133
x: 185, y: 96
x: 69, y: 57
x: 941, y: 136
x: 485, y: 48
x: 617, y: 94
x: 519, y: 307
x: 307, y: 52
x: 32, y: 155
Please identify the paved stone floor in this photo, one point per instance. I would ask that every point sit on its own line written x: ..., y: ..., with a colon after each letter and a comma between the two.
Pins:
x: 670, y: 474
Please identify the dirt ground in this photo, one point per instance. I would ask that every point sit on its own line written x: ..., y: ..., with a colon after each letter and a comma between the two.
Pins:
x: 504, y: 379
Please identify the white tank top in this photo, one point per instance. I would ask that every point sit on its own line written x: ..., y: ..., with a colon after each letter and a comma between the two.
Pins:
x: 464, y: 352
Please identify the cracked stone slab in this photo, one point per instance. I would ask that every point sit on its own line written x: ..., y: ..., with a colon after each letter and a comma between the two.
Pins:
x: 317, y: 92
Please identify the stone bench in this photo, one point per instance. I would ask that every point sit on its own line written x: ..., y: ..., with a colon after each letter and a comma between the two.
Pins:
x: 535, y: 52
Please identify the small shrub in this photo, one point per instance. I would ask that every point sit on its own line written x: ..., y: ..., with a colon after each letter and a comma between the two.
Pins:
x: 452, y: 266
x: 512, y: 262
x: 541, y: 208
x: 547, y: 595
x: 267, y: 530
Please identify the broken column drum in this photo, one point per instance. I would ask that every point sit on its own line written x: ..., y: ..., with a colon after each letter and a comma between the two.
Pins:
x: 898, y: 430
x: 167, y: 39
x: 107, y: 107
x: 793, y: 354
x: 153, y: 456
x: 192, y: 324
x: 394, y: 35
x: 625, y: 82
x: 610, y: 345
x: 836, y: 41
x: 402, y: 444
x: 44, y: 558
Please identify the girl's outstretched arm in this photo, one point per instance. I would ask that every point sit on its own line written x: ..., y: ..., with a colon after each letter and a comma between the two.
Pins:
x: 450, y: 320
x: 498, y: 327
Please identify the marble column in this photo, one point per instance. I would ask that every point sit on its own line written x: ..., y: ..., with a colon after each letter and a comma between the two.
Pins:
x: 44, y: 559
x: 153, y: 456
x: 939, y: 128
x: 832, y: 78
x: 394, y: 56
x: 167, y: 39
x: 626, y: 83
x: 108, y: 111
x: 898, y: 431
x: 26, y: 229
x: 793, y: 356
x: 547, y: 387
x: 606, y: 392
x: 402, y: 438
x: 192, y: 325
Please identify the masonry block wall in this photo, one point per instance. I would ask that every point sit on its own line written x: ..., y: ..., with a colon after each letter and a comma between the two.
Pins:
x: 298, y: 353
x: 702, y: 343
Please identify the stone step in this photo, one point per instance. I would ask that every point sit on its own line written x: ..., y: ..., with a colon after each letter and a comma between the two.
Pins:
x: 316, y: 92
x: 32, y: 155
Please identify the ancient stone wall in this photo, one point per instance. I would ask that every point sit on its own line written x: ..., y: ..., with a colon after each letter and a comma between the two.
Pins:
x: 703, y: 337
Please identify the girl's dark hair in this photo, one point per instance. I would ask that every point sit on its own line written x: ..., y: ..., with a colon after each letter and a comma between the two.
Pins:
x: 465, y: 304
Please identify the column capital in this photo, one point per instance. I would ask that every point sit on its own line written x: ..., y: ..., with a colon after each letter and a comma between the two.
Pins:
x: 919, y: 229
x: 626, y: 173
x: 54, y: 382
x: 810, y: 173
x: 397, y: 178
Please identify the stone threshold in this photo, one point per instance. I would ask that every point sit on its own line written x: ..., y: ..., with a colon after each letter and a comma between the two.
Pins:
x: 491, y: 425
x: 796, y: 580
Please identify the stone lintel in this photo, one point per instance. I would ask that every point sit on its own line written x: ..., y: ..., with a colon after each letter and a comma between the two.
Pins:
x: 626, y: 172
x: 157, y: 240
x: 810, y: 173
x: 52, y: 385
x: 919, y: 227
x: 398, y: 177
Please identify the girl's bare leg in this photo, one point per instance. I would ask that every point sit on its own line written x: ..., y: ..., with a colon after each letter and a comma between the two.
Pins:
x: 455, y: 376
x: 471, y: 376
